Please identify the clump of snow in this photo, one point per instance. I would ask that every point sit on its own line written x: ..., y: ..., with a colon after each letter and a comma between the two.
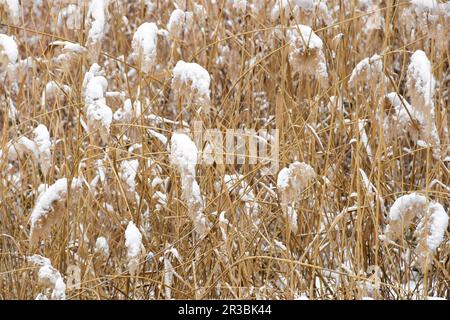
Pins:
x: 98, y: 23
x: 70, y: 17
x: 144, y: 45
x: 401, y: 107
x: 128, y: 112
x: 306, y: 53
x: 39, y: 147
x: 306, y: 11
x: 43, y: 144
x: 375, y: 21
x: 127, y: 172
x: 102, y: 247
x: 430, y: 231
x: 421, y: 82
x: 179, y: 22
x: 99, y: 115
x: 99, y: 118
x: 421, y: 86
x: 54, y: 90
x: 49, y: 209
x: 49, y: 276
x: 97, y: 16
x: 69, y: 47
x: 237, y: 185
x: 184, y: 155
x: 18, y: 148
x: 291, y: 182
x: 368, y: 70
x: 191, y: 81
x: 133, y: 243
x: 402, y: 213
x: 13, y: 9
x: 425, y: 6
x: 9, y: 52
x: 96, y: 89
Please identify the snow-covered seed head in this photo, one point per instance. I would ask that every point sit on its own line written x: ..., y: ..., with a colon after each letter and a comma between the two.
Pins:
x: 54, y: 91
x: 43, y: 144
x: 9, y: 52
x: 420, y: 81
x: 192, y: 82
x: 306, y: 53
x: 50, y: 277
x: 368, y: 70
x: 179, y: 22
x: 421, y: 86
x: 97, y: 19
x: 144, y: 45
x: 70, y: 17
x: 402, y: 213
x: 12, y: 8
x: 133, y: 243
x: 99, y: 115
x: 127, y: 172
x: 128, y: 112
x: 291, y: 182
x: 430, y: 233
x: 102, y: 247
x: 183, y: 154
x: 49, y: 208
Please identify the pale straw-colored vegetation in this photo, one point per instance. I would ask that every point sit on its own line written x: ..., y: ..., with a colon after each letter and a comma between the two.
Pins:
x: 102, y: 195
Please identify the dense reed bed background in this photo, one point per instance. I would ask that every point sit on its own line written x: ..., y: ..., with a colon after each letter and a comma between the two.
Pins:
x: 224, y: 231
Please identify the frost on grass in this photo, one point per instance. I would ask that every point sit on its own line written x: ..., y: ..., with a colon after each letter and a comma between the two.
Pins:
x: 191, y: 82
x: 306, y: 53
x: 133, y: 243
x: 421, y: 86
x: 184, y: 155
x: 144, y: 45
x: 291, y: 182
x: 49, y: 208
x: 49, y: 277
